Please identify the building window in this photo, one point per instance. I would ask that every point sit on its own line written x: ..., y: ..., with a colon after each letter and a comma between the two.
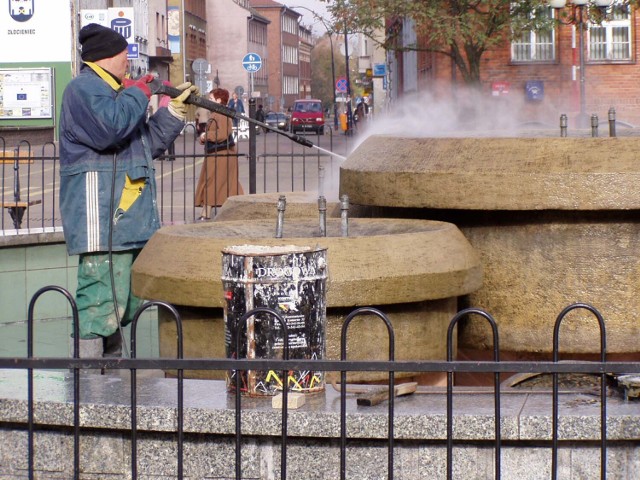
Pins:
x: 535, y: 46
x: 611, y: 40
x: 289, y: 25
x: 289, y: 54
x: 290, y: 85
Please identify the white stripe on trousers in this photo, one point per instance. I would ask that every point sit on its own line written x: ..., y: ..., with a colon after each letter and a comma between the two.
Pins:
x: 93, y: 215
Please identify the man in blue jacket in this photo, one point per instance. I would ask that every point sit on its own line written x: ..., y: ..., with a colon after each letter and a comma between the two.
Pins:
x: 236, y: 104
x: 107, y: 182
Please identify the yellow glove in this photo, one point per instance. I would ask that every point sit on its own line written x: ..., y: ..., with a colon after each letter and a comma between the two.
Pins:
x: 177, y: 107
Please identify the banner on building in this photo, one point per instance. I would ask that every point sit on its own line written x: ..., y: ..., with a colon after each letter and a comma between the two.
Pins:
x: 173, y: 29
x: 101, y: 17
x: 118, y: 19
x: 35, y: 32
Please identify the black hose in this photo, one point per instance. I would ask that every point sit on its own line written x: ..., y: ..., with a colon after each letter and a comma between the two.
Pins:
x: 113, y: 281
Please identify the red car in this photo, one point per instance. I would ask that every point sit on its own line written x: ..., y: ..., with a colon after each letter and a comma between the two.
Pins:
x: 307, y: 116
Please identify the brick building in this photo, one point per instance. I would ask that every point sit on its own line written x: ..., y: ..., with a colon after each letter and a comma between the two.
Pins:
x: 283, y: 43
x: 235, y: 29
x: 546, y: 62
x: 304, y: 58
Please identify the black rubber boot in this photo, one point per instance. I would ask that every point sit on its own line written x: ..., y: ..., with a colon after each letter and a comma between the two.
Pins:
x: 113, y: 345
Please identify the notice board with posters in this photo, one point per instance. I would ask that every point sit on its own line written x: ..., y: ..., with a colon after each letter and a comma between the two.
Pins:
x: 26, y: 93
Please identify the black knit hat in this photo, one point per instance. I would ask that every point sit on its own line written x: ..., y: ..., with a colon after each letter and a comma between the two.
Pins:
x: 100, y: 42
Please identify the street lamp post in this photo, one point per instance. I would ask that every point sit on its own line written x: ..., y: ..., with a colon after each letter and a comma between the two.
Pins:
x: 579, y: 16
x: 346, y: 60
x: 333, y: 86
x: 333, y: 64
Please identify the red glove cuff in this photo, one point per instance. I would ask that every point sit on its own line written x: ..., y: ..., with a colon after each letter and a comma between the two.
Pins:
x: 140, y: 83
x: 143, y: 86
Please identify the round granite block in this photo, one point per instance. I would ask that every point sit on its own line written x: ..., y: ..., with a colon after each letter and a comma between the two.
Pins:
x: 412, y: 270
x: 420, y: 331
x: 556, y: 221
x: 381, y: 262
x: 265, y: 206
x: 494, y: 173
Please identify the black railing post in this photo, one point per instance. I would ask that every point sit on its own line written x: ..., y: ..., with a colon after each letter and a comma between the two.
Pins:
x: 134, y: 385
x: 603, y: 389
x: 343, y: 389
x: 76, y: 382
x: 16, y: 176
x: 496, y: 389
x: 252, y: 147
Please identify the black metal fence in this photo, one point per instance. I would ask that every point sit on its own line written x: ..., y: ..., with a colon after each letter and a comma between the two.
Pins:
x: 267, y: 162
x: 344, y: 365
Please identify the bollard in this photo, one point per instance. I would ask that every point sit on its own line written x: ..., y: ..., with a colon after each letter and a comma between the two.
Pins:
x: 344, y: 215
x: 282, y: 205
x: 612, y: 122
x: 594, y: 125
x: 322, y: 209
x: 563, y: 125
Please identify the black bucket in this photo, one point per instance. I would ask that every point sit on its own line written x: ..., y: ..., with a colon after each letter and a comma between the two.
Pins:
x: 292, y: 281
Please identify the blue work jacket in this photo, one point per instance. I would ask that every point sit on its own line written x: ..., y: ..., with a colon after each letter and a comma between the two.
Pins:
x: 104, y: 138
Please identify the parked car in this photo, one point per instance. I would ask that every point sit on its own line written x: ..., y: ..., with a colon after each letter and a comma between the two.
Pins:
x: 277, y: 120
x: 307, y: 116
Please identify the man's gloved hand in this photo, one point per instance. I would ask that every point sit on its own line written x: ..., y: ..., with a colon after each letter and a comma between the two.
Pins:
x: 141, y: 83
x: 177, y: 107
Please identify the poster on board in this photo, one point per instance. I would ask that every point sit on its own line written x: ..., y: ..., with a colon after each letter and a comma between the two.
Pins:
x: 35, y: 32
x: 26, y: 93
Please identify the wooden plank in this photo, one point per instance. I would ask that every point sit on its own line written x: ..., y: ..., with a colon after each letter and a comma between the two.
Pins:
x: 10, y: 157
x: 14, y: 204
x: 294, y: 400
x: 379, y: 395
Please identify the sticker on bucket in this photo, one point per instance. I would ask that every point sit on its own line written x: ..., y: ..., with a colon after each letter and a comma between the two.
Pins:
x: 290, y: 280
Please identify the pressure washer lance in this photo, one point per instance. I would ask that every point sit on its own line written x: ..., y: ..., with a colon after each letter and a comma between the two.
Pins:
x: 157, y: 87
x: 282, y: 205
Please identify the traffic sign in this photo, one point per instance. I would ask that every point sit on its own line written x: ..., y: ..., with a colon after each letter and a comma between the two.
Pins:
x: 341, y: 84
x: 133, y: 50
x: 252, y: 62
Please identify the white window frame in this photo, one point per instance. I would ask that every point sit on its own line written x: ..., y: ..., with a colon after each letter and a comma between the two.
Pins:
x: 536, y: 45
x: 609, y: 44
x: 290, y: 54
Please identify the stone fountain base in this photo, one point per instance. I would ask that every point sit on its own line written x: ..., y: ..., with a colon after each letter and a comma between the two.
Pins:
x: 420, y: 333
x: 412, y: 270
x: 556, y: 221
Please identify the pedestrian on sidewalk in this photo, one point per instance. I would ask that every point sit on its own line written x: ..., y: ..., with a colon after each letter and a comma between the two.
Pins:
x: 236, y: 104
x: 219, y: 175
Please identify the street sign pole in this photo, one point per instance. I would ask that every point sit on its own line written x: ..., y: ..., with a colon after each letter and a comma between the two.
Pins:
x: 251, y: 62
x: 340, y: 87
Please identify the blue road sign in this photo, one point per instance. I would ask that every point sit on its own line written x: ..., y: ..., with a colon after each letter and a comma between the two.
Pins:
x: 252, y: 62
x: 379, y: 69
x: 341, y: 85
x: 133, y: 50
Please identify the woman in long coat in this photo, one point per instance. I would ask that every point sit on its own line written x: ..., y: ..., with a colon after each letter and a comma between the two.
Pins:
x: 219, y: 175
